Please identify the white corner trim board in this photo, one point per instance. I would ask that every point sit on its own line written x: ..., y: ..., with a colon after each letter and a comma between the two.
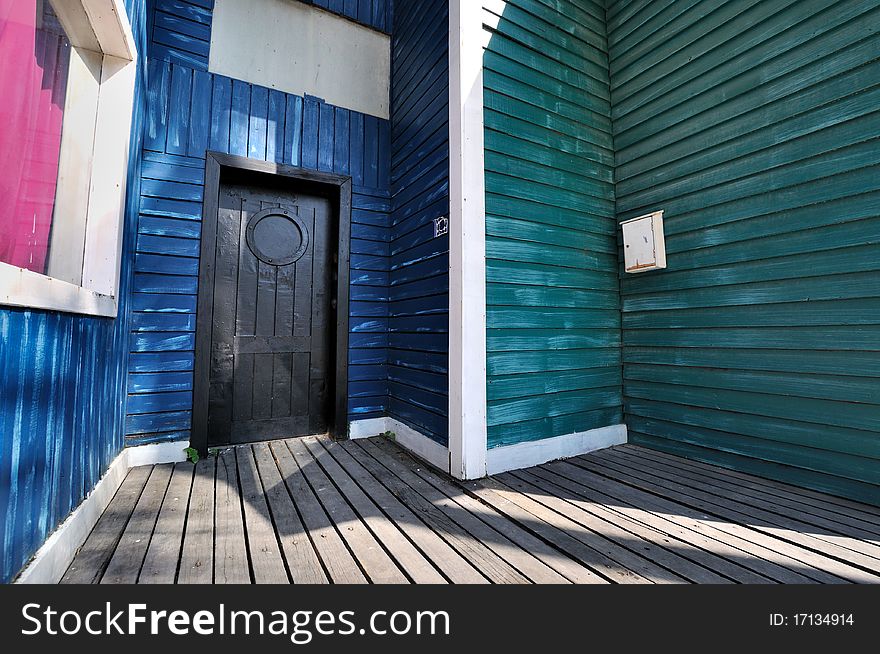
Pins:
x: 467, y: 244
x: 54, y: 556
x: 526, y: 455
x: 405, y: 436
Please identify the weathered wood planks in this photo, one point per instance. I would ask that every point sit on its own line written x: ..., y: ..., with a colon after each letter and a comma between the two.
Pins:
x: 312, y: 510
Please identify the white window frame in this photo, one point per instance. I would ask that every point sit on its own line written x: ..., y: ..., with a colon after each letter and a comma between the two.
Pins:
x: 101, y: 26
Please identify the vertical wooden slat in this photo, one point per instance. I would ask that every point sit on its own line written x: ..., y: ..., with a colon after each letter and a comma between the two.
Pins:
x: 282, y: 366
x: 240, y: 118
x: 245, y: 321
x: 223, y: 358
x: 341, y: 135
x: 356, y: 144
x: 156, y: 127
x: 221, y: 110
x: 178, y: 110
x: 318, y: 381
x: 275, y: 126
x: 200, y: 114
x: 258, y: 128
x: 264, y: 326
x: 293, y: 131
x: 326, y: 138
x: 371, y: 151
x: 311, y: 113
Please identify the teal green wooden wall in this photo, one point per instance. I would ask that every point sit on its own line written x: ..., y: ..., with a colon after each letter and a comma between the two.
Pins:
x: 755, y: 126
x: 552, y: 286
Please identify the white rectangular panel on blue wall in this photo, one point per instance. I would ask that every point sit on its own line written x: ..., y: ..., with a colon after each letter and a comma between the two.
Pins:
x: 300, y: 49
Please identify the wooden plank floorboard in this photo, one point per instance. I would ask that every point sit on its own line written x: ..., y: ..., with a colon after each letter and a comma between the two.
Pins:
x: 433, y: 489
x: 454, y: 567
x: 567, y: 568
x: 417, y: 567
x: 197, y: 554
x: 128, y: 557
x: 842, y: 505
x: 299, y: 552
x: 820, y: 567
x: 89, y: 563
x: 335, y: 556
x: 312, y: 510
x: 594, y: 532
x: 735, y: 542
x: 589, y: 547
x: 230, y: 548
x: 163, y: 554
x: 689, y: 544
x: 639, y: 540
x: 264, y: 550
x: 480, y: 556
x: 844, y: 521
x: 758, y: 518
x: 374, y: 560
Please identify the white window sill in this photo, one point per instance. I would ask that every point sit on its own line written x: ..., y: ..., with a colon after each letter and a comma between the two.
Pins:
x: 29, y: 290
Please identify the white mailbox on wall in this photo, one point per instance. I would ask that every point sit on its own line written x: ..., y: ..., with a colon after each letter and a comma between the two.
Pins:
x: 644, y: 246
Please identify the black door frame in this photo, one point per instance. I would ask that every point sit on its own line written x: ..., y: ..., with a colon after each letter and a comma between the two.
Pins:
x: 338, y: 189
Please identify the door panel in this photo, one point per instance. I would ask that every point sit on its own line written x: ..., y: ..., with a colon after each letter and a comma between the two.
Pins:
x: 270, y: 364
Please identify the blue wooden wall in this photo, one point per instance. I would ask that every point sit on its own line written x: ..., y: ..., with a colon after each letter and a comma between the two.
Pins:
x: 754, y: 125
x: 62, y: 393
x: 189, y: 112
x: 419, y: 284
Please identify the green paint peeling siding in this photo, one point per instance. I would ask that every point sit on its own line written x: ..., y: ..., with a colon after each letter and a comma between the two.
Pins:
x: 755, y: 126
x: 553, y: 299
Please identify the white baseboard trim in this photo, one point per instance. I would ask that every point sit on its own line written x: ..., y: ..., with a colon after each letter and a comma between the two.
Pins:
x: 367, y: 428
x: 156, y: 453
x: 420, y: 445
x: 526, y: 455
x: 405, y: 436
x: 55, y: 554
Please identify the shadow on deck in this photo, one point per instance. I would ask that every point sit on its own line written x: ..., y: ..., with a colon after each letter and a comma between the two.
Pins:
x: 315, y: 511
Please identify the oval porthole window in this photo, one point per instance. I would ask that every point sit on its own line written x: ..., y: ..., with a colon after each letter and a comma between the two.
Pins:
x: 277, y: 236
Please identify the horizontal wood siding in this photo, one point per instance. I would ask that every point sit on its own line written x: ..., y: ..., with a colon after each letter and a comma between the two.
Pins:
x: 191, y: 111
x: 62, y: 392
x: 754, y: 125
x: 180, y: 31
x: 553, y: 305
x: 419, y: 283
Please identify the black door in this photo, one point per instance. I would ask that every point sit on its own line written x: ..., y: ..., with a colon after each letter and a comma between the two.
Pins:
x: 270, y: 369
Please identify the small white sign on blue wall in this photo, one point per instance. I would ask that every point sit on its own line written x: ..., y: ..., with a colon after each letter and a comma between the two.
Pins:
x: 644, y: 245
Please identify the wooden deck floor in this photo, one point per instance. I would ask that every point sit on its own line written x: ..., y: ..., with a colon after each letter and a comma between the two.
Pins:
x: 315, y: 511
